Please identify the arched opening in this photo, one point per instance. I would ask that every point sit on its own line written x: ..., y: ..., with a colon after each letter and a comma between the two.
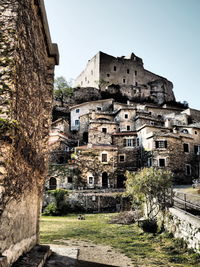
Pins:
x: 121, y: 181
x: 52, y: 183
x: 104, y: 180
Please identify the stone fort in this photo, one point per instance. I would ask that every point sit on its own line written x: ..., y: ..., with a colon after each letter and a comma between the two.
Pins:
x: 127, y: 75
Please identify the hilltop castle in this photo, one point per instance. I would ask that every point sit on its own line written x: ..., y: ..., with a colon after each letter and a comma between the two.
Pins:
x: 127, y: 75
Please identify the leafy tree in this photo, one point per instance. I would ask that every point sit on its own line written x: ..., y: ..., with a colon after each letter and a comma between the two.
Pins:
x: 148, y: 185
x: 62, y: 90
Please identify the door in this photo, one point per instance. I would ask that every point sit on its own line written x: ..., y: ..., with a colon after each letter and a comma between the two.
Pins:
x: 104, y: 180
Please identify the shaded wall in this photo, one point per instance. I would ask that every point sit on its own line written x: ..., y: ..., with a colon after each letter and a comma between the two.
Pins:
x: 27, y: 68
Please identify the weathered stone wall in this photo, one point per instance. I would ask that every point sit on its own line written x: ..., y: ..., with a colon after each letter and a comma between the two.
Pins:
x: 89, y: 76
x: 27, y: 67
x: 97, y: 134
x: 183, y: 225
x: 89, y: 163
x: 96, y: 201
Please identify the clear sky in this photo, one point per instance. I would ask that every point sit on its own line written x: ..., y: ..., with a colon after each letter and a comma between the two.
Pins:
x: 164, y: 33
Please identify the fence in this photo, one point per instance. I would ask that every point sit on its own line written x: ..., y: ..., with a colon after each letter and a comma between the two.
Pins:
x: 186, y: 201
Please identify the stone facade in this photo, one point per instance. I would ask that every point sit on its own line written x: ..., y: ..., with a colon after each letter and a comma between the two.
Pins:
x: 127, y: 76
x: 142, y: 134
x: 27, y: 71
x: 97, y: 165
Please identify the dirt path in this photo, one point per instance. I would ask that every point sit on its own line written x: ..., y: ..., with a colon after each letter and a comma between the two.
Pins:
x: 84, y: 254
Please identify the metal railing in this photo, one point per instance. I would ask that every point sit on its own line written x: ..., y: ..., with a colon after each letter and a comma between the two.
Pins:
x: 186, y: 201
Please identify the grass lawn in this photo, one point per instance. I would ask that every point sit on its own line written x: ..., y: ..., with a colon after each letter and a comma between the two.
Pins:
x: 143, y: 248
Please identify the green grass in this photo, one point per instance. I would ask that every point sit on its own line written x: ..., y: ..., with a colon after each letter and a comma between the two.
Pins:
x: 143, y: 248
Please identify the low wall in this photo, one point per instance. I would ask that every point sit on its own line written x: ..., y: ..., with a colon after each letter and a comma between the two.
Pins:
x: 93, y: 201
x: 183, y: 225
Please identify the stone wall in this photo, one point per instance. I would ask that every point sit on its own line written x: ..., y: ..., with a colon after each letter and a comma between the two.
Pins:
x: 96, y: 201
x: 183, y: 225
x: 27, y: 68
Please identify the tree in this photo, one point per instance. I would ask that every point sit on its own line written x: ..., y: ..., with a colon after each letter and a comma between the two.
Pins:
x: 62, y: 90
x: 148, y: 185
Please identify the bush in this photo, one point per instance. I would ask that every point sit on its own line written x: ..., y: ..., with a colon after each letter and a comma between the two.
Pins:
x: 50, y: 210
x: 149, y: 226
x: 60, y: 207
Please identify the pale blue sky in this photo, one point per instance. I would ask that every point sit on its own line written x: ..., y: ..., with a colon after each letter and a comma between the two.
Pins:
x: 164, y: 33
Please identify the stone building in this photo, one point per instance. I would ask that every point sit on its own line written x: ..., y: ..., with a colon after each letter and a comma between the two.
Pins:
x: 134, y: 135
x: 27, y: 60
x: 79, y: 110
x: 127, y: 76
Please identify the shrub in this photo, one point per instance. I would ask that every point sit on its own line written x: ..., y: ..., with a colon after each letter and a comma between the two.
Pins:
x: 50, y: 210
x: 60, y: 198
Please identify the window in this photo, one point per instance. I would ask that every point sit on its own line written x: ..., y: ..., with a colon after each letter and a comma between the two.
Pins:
x: 104, y: 157
x: 188, y: 169
x: 195, y: 132
x: 76, y: 122
x: 162, y: 162
x: 126, y: 116
x: 186, y: 148
x: 108, y: 75
x: 121, y: 158
x: 77, y: 110
x: 115, y: 68
x: 81, y: 83
x: 197, y: 150
x: 129, y: 142
x: 136, y: 84
x: 85, y: 78
x: 104, y: 130
x: 138, y: 141
x: 161, y: 144
x: 124, y: 80
x: 91, y: 72
x: 128, y: 71
x: 98, y: 108
x: 91, y: 180
x: 69, y: 180
x: 135, y: 72
x: 128, y: 127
